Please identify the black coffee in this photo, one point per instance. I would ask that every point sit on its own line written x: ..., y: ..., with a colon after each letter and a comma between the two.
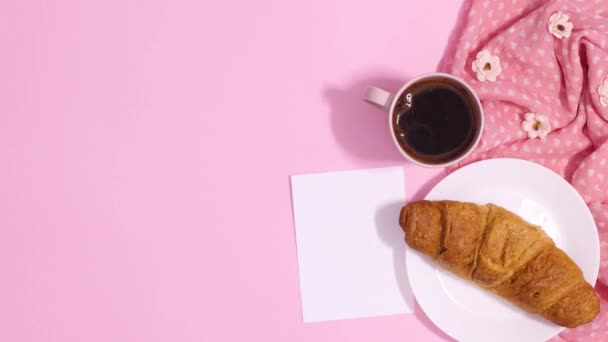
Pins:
x: 435, y: 120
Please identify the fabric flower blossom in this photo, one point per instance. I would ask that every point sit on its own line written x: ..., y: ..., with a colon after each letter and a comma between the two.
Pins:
x: 486, y: 66
x: 536, y: 126
x: 559, y: 26
x: 603, y: 92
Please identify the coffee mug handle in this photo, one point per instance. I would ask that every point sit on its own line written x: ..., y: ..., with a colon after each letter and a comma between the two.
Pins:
x: 378, y: 97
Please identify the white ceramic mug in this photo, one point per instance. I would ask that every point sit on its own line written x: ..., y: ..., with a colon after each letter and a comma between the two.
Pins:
x: 388, y: 102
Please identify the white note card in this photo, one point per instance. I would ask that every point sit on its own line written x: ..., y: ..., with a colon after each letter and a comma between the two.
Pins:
x: 351, y: 252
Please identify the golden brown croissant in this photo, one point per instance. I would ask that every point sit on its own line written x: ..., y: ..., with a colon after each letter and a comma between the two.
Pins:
x: 501, y: 252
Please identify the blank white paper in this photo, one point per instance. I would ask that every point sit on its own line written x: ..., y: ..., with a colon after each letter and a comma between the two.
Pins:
x: 351, y: 252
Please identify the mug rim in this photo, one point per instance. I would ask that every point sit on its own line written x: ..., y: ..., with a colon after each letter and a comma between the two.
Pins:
x: 418, y: 78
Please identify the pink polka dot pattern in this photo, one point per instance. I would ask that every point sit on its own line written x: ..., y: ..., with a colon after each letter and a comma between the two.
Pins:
x: 558, y: 78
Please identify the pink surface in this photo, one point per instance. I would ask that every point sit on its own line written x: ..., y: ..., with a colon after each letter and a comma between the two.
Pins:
x: 145, y: 152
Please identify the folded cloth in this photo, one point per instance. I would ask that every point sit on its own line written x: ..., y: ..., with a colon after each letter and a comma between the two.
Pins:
x: 540, y: 69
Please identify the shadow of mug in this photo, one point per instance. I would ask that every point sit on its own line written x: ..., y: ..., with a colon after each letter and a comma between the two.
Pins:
x: 361, y: 128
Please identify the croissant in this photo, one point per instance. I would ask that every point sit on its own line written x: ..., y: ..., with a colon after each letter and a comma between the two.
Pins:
x: 502, y: 253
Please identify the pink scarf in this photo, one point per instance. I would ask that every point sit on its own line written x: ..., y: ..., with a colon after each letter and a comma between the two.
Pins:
x: 540, y: 69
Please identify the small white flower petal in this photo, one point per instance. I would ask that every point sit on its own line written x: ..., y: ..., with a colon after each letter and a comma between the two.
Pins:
x: 546, y: 126
x: 553, y: 17
x: 481, y: 76
x: 497, y: 70
x: 532, y: 134
x: 543, y: 131
x: 568, y: 31
x: 536, y: 125
x: 486, y: 67
x: 559, y: 25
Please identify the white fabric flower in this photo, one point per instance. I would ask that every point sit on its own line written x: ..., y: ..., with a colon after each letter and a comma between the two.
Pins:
x: 603, y: 92
x: 559, y: 25
x: 486, y: 66
x: 536, y: 126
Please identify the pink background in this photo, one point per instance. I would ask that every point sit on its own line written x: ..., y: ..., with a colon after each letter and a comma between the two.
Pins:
x: 146, y: 148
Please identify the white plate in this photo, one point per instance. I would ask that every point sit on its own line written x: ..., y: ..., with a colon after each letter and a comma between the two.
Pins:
x: 468, y: 313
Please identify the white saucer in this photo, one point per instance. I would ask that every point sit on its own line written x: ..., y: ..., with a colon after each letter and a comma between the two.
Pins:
x: 468, y: 313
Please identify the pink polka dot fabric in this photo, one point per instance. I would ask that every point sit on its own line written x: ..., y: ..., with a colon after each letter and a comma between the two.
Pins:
x: 553, y: 62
